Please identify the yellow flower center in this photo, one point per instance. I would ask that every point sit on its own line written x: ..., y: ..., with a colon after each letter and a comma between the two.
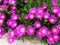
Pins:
x: 22, y: 29
x: 55, y: 10
x: 31, y: 30
x: 51, y: 39
x: 43, y: 31
x: 54, y: 30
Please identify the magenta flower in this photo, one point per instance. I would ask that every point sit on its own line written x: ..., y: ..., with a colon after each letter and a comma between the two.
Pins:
x: 12, y: 11
x: 4, y: 7
x: 1, y: 30
x: 2, y: 16
x: 0, y: 0
x: 21, y: 29
x: 46, y: 15
x: 32, y: 10
x: 50, y: 40
x: 9, y: 22
x: 52, y: 19
x: 39, y: 15
x: 0, y: 35
x: 13, y: 24
x: 14, y: 17
x: 12, y: 2
x: 37, y: 24
x: 31, y: 16
x: 58, y: 27
x: 25, y: 1
x: 11, y: 39
x: 11, y: 33
x: 55, y: 30
x: 25, y: 16
x: 40, y: 10
x: 1, y: 22
x: 44, y: 30
x: 55, y: 9
x: 30, y: 30
x: 5, y: 1
x: 13, y: 7
x: 49, y: 33
x: 39, y: 34
x: 56, y: 38
x: 44, y: 6
x: 54, y: 2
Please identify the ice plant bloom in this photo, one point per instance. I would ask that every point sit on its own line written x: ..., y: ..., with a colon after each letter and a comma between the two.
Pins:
x: 39, y: 34
x: 39, y: 15
x: 13, y: 24
x: 49, y: 33
x: 13, y: 7
x: 11, y: 33
x: 58, y: 27
x: 44, y: 6
x: 0, y: 0
x: 30, y: 30
x: 20, y: 30
x: 25, y: 16
x: 25, y: 1
x: 5, y: 1
x: 40, y: 10
x: 46, y: 15
x: 12, y: 11
x: 32, y: 10
x: 54, y: 2
x: 37, y: 24
x: 55, y: 30
x: 0, y: 35
x: 56, y: 38
x: 52, y: 19
x: 2, y: 16
x: 31, y: 16
x: 1, y: 30
x: 12, y: 2
x: 1, y: 22
x: 50, y: 40
x: 44, y: 30
x: 55, y: 9
x: 14, y: 17
x: 11, y: 39
x: 9, y: 22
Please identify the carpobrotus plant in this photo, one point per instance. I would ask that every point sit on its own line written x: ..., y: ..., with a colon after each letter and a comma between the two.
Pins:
x: 30, y: 19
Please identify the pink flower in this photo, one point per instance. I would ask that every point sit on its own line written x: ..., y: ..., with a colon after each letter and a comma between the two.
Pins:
x: 52, y: 19
x: 30, y: 30
x: 44, y: 6
x: 12, y: 2
x: 37, y: 24
x: 14, y: 17
x: 32, y: 10
x: 20, y: 30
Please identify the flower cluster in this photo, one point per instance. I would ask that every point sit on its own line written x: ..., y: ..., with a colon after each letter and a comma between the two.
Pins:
x: 38, y: 29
